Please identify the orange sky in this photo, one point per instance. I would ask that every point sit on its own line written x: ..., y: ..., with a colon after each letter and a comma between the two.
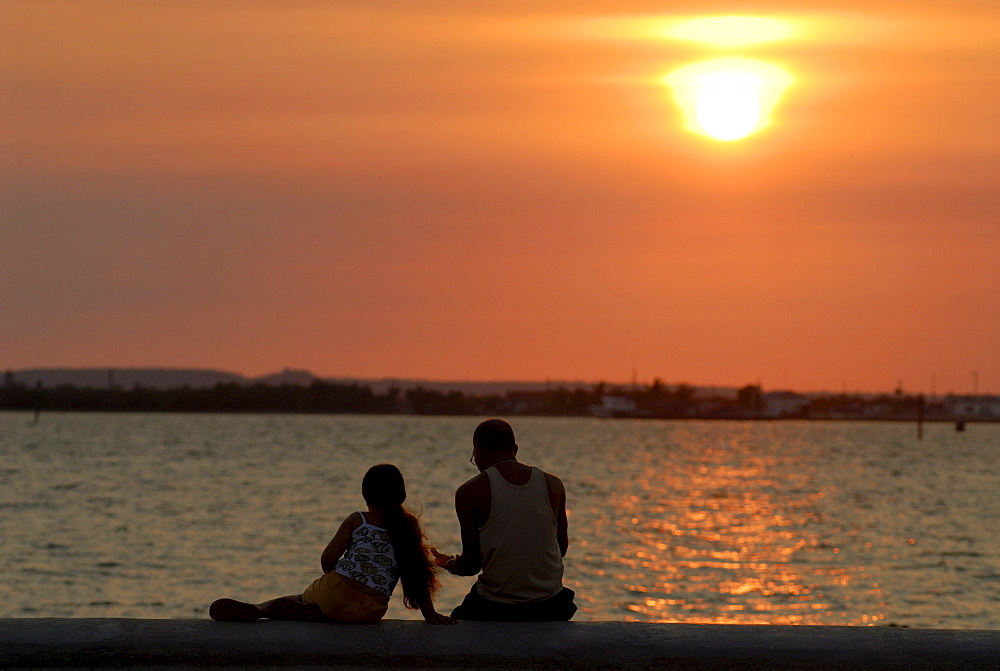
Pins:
x: 455, y: 190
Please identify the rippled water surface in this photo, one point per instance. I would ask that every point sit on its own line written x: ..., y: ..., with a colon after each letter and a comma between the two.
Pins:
x: 129, y: 515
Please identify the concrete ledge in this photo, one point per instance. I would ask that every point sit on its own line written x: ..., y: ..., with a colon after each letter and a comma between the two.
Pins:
x: 166, y: 644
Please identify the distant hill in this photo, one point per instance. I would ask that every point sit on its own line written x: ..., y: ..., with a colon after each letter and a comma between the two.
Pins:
x: 175, y: 378
x: 301, y: 378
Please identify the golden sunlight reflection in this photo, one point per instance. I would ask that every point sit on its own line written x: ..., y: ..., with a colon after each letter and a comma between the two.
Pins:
x: 726, y: 536
x: 728, y: 98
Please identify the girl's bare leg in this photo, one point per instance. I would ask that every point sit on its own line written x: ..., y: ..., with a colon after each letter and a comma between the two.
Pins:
x: 291, y: 608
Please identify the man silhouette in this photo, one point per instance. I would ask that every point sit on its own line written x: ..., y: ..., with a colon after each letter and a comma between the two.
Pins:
x: 514, y: 529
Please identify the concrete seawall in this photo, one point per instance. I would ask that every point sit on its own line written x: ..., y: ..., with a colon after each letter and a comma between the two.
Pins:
x: 166, y: 644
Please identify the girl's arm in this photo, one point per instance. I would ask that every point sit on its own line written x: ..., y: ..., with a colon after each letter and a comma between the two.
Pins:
x: 337, y: 546
x: 432, y: 616
x: 426, y: 605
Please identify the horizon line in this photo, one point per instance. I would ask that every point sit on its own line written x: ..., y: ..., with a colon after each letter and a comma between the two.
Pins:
x: 466, y: 381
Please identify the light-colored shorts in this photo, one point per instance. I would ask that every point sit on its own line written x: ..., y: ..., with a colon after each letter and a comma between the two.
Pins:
x: 342, y: 602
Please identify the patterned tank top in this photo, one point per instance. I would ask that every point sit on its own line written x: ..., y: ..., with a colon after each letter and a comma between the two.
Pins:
x: 370, y: 558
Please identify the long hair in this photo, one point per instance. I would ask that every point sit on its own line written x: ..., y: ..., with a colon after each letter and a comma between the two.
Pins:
x: 383, y: 488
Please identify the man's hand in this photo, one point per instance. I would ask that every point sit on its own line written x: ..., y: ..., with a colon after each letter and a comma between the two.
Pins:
x: 442, y: 560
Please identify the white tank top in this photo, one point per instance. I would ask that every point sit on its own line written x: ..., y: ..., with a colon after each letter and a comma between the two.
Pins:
x: 521, y: 558
x: 370, y: 558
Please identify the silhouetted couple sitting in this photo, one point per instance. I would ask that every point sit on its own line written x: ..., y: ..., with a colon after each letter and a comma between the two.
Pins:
x: 514, y: 535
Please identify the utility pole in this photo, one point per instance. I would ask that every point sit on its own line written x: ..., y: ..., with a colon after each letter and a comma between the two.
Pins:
x: 38, y: 402
x: 920, y: 417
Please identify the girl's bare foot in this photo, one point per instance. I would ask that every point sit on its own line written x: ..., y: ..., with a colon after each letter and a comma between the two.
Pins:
x: 231, y: 610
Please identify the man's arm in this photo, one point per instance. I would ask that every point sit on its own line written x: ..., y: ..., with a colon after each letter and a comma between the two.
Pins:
x: 557, y: 497
x: 468, y: 504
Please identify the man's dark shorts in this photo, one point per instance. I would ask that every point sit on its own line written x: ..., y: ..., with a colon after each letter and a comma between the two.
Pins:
x: 558, y: 608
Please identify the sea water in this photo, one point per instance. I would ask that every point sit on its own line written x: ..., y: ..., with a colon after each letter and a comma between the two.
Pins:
x: 156, y: 515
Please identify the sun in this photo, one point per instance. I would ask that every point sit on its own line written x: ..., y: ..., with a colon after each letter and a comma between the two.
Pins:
x: 728, y: 107
x: 728, y: 99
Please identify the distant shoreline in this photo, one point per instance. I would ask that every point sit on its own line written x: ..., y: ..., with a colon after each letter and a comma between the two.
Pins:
x: 871, y: 420
x: 174, y: 378
x: 299, y: 392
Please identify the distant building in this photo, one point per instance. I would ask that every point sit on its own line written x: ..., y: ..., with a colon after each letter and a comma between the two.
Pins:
x: 785, y: 404
x: 751, y: 398
x: 879, y: 410
x: 615, y: 406
x: 974, y: 407
x: 719, y: 408
x: 526, y: 402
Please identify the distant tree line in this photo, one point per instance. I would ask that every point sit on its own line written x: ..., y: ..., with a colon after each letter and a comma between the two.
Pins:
x: 318, y: 397
x: 657, y: 399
